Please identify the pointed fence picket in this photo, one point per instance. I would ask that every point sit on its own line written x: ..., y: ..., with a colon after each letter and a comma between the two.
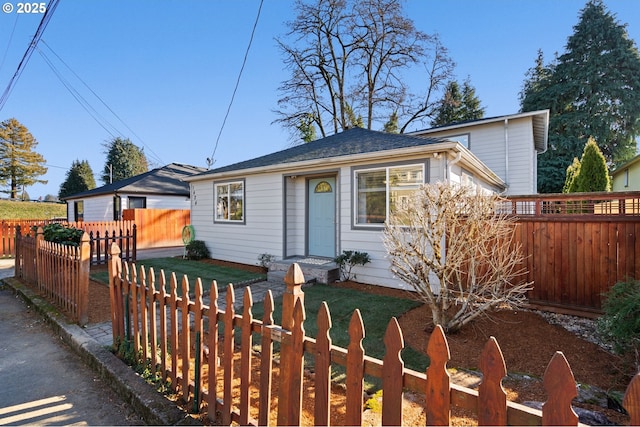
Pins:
x: 60, y: 272
x: 197, y: 355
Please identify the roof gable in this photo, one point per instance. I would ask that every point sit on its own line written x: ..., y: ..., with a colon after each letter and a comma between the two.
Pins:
x: 540, y: 123
x: 166, y: 180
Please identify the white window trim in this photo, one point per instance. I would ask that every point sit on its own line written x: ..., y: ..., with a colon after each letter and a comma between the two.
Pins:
x: 386, y: 168
x: 228, y: 184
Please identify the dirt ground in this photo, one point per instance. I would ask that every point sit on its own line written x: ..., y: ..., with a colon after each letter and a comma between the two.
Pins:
x: 527, y: 340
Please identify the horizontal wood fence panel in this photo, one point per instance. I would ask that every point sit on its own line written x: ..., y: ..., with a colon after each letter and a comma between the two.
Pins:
x: 577, y: 246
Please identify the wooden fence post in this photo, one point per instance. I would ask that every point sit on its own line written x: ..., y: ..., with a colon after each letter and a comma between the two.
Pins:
x: 83, y: 280
x: 37, y: 259
x: 293, y: 281
x: 18, y: 252
x: 115, y: 293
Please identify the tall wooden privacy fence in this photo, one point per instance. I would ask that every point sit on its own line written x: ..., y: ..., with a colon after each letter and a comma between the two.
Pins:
x: 59, y: 271
x: 158, y: 227
x: 195, y: 347
x: 577, y: 246
x: 8, y: 232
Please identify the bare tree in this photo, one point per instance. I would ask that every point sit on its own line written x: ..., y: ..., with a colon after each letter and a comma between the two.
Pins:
x: 349, y: 58
x: 455, y: 248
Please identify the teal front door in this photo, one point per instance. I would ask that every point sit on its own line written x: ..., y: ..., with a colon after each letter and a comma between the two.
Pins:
x: 322, y: 217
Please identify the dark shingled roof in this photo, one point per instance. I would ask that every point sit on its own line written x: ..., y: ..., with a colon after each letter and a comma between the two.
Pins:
x: 348, y: 143
x: 166, y: 180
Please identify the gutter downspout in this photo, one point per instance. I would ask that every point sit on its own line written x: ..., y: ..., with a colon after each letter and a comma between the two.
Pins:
x: 451, y: 163
x: 506, y: 152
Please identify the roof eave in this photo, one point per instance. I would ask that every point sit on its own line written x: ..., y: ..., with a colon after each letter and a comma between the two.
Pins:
x: 333, y: 161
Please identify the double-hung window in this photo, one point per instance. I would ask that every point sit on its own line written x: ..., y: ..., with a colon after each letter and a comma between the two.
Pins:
x: 229, y: 197
x: 380, y: 191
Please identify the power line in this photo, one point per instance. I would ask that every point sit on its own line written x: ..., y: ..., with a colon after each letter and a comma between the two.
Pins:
x: 78, y: 97
x: 235, y: 89
x: 13, y: 30
x: 51, y: 7
x: 154, y: 155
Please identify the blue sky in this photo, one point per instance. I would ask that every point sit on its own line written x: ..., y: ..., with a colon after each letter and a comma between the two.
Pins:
x: 168, y: 70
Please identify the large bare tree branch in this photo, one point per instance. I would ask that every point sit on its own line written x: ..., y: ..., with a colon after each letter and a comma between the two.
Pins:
x: 351, y: 59
x: 455, y: 248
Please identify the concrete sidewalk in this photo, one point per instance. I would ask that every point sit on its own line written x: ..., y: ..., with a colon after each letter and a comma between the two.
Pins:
x: 92, y: 343
x: 150, y: 406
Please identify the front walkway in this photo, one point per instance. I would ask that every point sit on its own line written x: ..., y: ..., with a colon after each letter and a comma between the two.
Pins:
x: 102, y: 332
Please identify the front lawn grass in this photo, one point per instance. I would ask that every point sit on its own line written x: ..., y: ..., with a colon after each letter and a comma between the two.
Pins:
x: 193, y: 269
x: 376, y: 312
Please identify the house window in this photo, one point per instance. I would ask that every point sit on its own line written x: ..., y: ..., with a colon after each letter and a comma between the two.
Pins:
x: 323, y: 187
x: 229, y: 198
x: 381, y: 191
x: 78, y: 211
x: 117, y: 205
x: 137, y: 203
x: 626, y: 177
x: 462, y: 139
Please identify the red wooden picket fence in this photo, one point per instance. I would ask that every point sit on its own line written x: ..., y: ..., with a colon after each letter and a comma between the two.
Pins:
x: 194, y: 346
x: 60, y: 272
x: 102, y: 234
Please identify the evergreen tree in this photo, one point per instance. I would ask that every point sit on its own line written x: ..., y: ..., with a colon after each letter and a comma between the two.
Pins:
x: 79, y: 178
x: 449, y: 109
x: 392, y: 125
x: 458, y: 105
x: 471, y: 108
x: 19, y: 164
x: 593, y: 174
x: 593, y: 89
x: 572, y: 171
x: 306, y: 128
x: 124, y: 160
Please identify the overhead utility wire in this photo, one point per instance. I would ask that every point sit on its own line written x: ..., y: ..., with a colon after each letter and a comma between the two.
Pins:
x: 246, y: 54
x: 81, y: 100
x: 13, y: 30
x: 51, y: 7
x: 44, y: 42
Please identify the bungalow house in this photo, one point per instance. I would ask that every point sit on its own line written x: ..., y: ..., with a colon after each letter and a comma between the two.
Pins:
x: 160, y: 188
x: 334, y: 194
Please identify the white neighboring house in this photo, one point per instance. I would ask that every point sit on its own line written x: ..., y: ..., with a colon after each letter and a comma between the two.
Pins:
x: 161, y: 188
x: 334, y: 194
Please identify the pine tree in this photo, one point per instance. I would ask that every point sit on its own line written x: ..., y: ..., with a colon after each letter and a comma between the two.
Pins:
x: 19, y: 164
x: 392, y: 125
x: 79, y: 178
x: 457, y: 106
x: 124, y: 160
x: 593, y: 89
x: 593, y: 174
x: 471, y: 108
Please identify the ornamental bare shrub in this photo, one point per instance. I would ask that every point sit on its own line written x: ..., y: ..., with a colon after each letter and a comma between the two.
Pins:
x: 454, y: 246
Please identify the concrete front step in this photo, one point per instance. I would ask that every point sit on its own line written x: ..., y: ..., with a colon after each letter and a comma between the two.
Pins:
x: 319, y: 270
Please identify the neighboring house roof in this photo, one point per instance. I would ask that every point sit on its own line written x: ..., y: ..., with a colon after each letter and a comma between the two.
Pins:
x: 540, y: 126
x: 348, y: 143
x: 166, y: 180
x: 626, y: 165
